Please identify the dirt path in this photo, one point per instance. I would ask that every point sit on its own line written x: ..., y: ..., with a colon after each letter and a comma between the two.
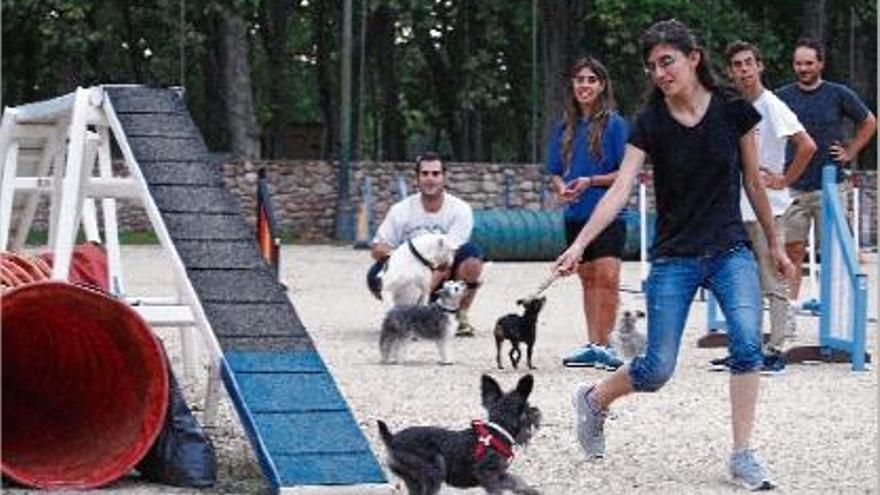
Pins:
x: 817, y: 425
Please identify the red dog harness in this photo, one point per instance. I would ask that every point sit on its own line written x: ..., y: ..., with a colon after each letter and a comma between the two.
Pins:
x: 488, y: 439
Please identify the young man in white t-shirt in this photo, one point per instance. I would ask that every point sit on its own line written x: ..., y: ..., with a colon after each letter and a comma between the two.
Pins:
x: 432, y: 209
x: 778, y: 126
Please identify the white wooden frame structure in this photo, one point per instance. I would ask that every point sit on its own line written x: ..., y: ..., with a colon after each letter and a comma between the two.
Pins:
x: 52, y: 148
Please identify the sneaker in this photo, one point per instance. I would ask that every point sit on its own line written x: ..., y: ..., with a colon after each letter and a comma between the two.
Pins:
x: 719, y: 364
x: 608, y: 359
x: 465, y: 330
x: 586, y: 356
x: 589, y: 422
x: 746, y: 469
x: 774, y: 364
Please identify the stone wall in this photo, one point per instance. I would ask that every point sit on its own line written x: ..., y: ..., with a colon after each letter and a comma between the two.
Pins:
x: 304, y: 192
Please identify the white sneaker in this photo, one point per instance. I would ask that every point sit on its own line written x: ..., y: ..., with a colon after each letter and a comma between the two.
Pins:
x: 589, y: 423
x: 747, y: 470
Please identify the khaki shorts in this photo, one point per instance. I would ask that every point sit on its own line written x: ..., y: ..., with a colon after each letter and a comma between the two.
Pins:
x: 806, y: 207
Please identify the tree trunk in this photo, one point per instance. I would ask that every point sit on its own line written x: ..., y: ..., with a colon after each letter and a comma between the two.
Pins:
x: 864, y: 82
x: 480, y: 131
x: 458, y: 57
x: 274, y: 21
x: 516, y: 58
x: 131, y: 38
x: 444, y: 81
x: 324, y: 33
x: 814, y: 19
x: 97, y: 51
x: 357, y: 43
x: 212, y: 118
x: 244, y: 132
x: 382, y: 53
x: 559, y: 23
x: 865, y: 66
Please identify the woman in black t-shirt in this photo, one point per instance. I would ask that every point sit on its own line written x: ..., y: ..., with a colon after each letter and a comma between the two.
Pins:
x: 701, y: 142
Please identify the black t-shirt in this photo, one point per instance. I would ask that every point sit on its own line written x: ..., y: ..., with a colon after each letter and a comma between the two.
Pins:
x: 697, y: 175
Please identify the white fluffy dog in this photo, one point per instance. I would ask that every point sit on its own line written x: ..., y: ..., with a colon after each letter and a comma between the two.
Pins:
x: 407, y: 277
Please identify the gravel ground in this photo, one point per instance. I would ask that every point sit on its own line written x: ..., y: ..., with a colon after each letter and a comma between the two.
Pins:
x: 816, y: 428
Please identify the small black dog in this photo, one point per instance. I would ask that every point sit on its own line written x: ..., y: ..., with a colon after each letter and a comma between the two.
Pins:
x: 425, y: 456
x: 518, y: 329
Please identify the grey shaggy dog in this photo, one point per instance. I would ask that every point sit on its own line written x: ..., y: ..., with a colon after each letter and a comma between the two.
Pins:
x: 627, y: 339
x: 425, y: 457
x: 434, y: 322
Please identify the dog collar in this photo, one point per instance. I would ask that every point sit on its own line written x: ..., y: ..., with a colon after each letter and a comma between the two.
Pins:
x: 488, y: 440
x: 418, y: 255
x: 444, y: 308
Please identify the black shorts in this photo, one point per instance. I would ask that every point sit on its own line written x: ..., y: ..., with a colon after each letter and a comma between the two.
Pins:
x: 609, y: 243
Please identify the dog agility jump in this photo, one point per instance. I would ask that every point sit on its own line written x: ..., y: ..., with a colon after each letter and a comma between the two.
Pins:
x: 842, y: 305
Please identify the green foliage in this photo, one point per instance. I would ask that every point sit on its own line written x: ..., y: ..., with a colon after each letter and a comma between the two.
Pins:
x: 40, y: 238
x: 464, y: 69
x: 613, y: 29
x: 301, y: 100
x: 52, y: 46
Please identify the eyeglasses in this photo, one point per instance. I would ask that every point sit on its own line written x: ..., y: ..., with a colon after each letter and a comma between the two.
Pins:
x: 664, y: 63
x: 583, y: 79
x: 430, y: 173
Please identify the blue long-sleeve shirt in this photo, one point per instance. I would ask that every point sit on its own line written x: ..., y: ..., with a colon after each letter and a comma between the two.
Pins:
x: 586, y: 164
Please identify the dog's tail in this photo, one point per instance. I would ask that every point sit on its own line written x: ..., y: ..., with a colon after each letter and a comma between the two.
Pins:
x: 384, y: 432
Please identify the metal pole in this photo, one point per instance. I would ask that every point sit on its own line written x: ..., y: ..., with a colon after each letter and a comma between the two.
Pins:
x: 402, y: 191
x: 854, y: 165
x: 362, y: 119
x: 182, y: 48
x: 852, y: 43
x: 814, y: 283
x: 856, y: 223
x: 534, y: 81
x: 345, y: 210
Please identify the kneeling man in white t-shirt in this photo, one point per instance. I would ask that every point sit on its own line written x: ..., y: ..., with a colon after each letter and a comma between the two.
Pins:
x: 432, y: 209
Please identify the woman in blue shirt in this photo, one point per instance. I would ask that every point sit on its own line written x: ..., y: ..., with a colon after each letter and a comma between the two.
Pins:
x: 583, y: 158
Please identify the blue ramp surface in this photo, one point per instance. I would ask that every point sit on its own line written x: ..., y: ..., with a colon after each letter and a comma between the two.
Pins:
x: 336, y: 450
x: 299, y: 424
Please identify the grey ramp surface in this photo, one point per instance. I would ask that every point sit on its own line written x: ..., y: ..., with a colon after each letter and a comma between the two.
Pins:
x: 270, y: 366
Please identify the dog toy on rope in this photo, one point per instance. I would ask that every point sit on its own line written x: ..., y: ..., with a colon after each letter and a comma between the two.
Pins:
x: 544, y: 286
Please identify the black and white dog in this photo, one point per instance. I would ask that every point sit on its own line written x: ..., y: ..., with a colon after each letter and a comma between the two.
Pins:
x: 434, y: 322
x: 425, y: 457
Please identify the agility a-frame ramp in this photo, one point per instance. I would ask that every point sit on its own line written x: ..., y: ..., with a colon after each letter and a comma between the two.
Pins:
x: 303, y: 433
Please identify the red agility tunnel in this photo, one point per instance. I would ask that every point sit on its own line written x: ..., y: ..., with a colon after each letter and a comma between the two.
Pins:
x: 85, y: 386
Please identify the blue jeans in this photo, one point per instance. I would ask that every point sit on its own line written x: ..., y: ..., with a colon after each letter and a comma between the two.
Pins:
x: 732, y: 276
